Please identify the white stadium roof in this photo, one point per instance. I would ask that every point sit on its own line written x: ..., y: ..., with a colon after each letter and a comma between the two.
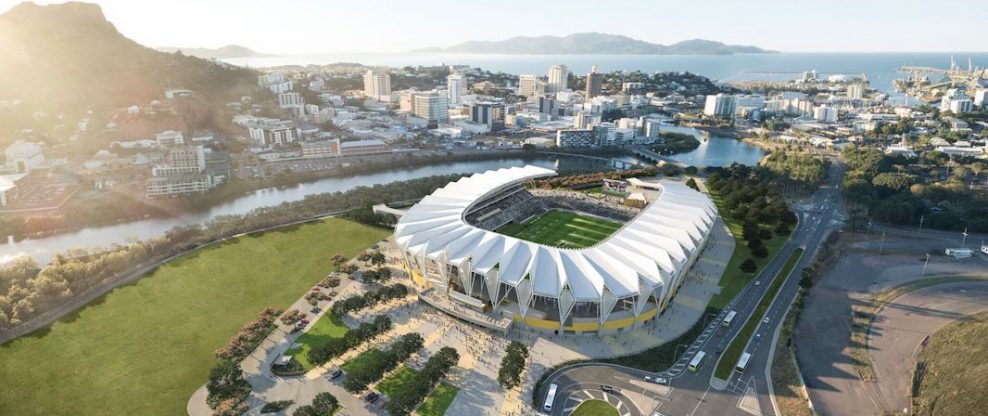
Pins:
x: 641, y: 256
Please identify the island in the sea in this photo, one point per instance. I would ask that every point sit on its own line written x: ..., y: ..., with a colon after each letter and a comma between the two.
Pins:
x: 594, y: 43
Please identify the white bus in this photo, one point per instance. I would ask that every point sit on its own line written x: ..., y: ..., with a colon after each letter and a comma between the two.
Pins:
x: 743, y: 362
x: 729, y: 318
x: 697, y: 361
x: 549, y: 398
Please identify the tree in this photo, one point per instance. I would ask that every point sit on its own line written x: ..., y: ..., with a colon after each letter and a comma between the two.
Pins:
x: 749, y: 266
x: 226, y: 381
x: 337, y: 260
x: 378, y: 258
x: 231, y: 407
x: 692, y: 183
x: 806, y: 277
x: 325, y: 403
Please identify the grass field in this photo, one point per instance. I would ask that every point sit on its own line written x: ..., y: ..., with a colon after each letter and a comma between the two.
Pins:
x: 952, y: 374
x: 143, y: 349
x: 733, y: 279
x: 733, y: 352
x: 563, y: 229
x: 328, y: 326
x: 361, y: 362
x: 396, y: 381
x: 437, y: 402
x: 595, y: 408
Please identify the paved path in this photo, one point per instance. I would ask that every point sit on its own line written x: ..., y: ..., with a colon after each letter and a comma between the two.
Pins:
x: 901, y: 326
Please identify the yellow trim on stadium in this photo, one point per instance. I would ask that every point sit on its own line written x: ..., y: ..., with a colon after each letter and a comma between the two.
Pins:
x: 647, y: 315
x: 583, y: 326
x: 541, y: 323
x: 619, y: 323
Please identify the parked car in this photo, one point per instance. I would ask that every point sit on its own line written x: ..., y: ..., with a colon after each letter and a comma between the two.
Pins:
x: 609, y: 389
x: 657, y: 380
x: 335, y: 374
x: 372, y: 397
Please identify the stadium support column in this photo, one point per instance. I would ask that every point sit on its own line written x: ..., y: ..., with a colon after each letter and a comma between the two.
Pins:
x: 607, y: 302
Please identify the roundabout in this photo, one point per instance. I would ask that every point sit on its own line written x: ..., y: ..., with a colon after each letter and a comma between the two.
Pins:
x: 590, y: 402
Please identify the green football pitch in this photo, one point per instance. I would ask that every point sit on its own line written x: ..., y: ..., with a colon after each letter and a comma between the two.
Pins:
x: 563, y: 229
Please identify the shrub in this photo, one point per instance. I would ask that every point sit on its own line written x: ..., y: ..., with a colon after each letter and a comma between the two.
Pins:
x: 749, y: 266
x: 292, y: 316
x: 231, y: 407
x: 250, y: 336
x: 276, y: 406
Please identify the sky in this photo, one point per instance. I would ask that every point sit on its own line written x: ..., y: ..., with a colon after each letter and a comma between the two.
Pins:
x: 310, y: 26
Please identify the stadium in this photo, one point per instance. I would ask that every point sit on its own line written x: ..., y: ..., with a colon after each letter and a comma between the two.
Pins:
x: 554, y: 260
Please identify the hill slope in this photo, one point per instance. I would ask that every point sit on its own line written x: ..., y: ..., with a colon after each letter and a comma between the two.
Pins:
x: 69, y: 58
x: 595, y: 43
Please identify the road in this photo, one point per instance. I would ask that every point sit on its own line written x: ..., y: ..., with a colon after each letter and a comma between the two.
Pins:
x: 692, y: 393
x: 899, y: 329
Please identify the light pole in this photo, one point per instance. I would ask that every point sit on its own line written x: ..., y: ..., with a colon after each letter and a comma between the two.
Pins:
x: 882, y: 245
x: 964, y: 240
x: 921, y: 218
x: 926, y: 264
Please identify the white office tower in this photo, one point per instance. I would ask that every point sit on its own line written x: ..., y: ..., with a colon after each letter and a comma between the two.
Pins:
x: 431, y: 106
x: 456, y: 87
x: 856, y: 91
x: 377, y: 85
x: 981, y: 97
x: 825, y: 114
x: 530, y: 86
x: 719, y: 105
x: 950, y: 96
x: 558, y: 75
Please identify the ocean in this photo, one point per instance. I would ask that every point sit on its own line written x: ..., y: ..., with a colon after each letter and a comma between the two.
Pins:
x: 879, y: 68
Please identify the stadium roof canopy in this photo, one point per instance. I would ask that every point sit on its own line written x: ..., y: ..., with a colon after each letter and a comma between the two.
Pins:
x: 640, y: 257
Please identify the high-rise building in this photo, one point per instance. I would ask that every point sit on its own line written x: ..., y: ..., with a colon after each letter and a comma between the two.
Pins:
x: 558, y: 75
x: 721, y: 105
x: 548, y: 106
x: 530, y: 86
x: 856, y: 91
x: 377, y: 85
x: 981, y: 97
x: 456, y: 87
x: 489, y: 113
x: 290, y: 100
x: 594, y: 82
x: 432, y: 106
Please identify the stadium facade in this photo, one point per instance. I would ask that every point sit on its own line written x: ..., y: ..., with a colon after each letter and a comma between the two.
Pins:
x: 449, y: 247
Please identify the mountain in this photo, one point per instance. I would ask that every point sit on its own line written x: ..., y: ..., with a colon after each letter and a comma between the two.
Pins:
x: 594, y: 43
x: 228, y: 51
x: 69, y: 58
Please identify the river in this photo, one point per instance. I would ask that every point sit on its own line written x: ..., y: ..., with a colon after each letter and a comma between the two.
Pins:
x: 42, y: 249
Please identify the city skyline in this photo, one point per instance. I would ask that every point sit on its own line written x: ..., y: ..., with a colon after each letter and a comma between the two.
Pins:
x: 345, y: 27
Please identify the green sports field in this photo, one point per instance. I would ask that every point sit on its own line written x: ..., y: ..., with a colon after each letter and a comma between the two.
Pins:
x: 144, y: 348
x: 563, y: 229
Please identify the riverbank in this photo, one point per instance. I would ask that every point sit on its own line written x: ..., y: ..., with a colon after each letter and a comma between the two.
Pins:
x: 118, y: 209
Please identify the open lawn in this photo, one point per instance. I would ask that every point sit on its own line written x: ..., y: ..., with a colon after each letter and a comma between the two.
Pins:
x: 437, y: 402
x: 563, y: 229
x: 733, y: 279
x: 595, y: 408
x: 396, y: 381
x: 327, y: 327
x: 143, y: 349
x: 364, y: 360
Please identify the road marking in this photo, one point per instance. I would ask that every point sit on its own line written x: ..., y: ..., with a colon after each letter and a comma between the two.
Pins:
x: 701, y: 401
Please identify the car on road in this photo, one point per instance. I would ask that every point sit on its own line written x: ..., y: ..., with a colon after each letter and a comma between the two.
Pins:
x: 765, y: 321
x: 335, y: 374
x: 609, y: 389
x: 758, y: 337
x: 657, y: 380
x: 758, y: 282
x: 372, y: 397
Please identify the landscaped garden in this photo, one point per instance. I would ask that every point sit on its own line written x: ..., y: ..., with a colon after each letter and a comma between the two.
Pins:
x: 146, y: 347
x: 595, y: 408
x: 440, y: 399
x: 328, y: 326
